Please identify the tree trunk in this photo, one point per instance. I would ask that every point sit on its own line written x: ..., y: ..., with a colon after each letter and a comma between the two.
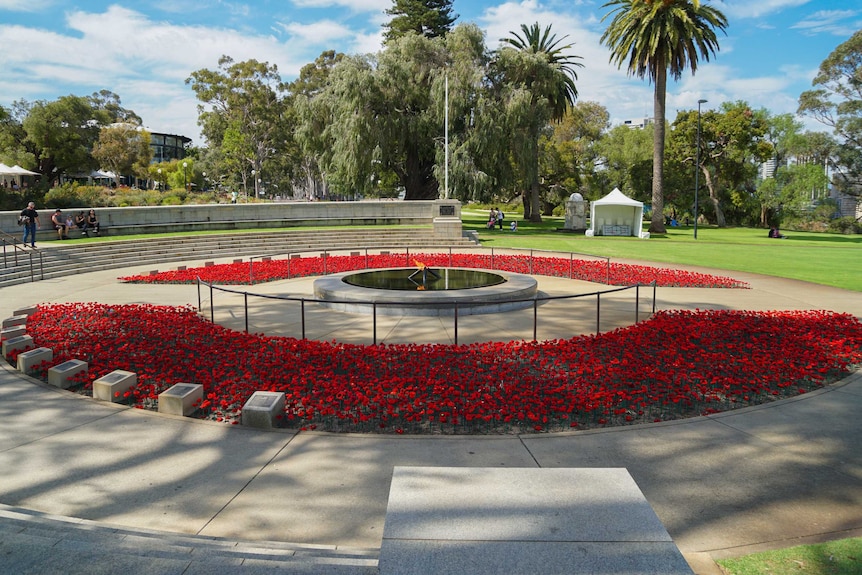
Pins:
x: 656, y: 225
x: 720, y: 220
x: 535, y: 202
x: 418, y: 179
x: 525, y: 201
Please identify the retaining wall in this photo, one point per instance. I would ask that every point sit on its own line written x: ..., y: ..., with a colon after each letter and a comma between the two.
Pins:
x: 443, y: 215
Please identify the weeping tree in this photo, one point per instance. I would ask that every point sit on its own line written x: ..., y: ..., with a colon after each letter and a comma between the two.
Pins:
x: 538, y: 86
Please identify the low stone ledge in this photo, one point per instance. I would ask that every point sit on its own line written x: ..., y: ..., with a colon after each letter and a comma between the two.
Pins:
x: 113, y: 386
x: 14, y: 320
x: 14, y: 331
x: 262, y: 409
x: 181, y: 398
x: 28, y: 311
x: 20, y: 343
x: 28, y: 360
x: 63, y: 375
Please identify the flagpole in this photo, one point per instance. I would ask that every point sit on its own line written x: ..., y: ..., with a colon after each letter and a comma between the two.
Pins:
x: 446, y: 141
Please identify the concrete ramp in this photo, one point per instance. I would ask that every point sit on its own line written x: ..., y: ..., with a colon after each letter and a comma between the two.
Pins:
x: 487, y: 521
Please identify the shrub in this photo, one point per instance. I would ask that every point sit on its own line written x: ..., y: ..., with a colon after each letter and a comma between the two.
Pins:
x: 845, y: 225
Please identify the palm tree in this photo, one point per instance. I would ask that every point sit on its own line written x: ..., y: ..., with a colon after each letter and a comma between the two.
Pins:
x: 652, y: 37
x: 550, y: 78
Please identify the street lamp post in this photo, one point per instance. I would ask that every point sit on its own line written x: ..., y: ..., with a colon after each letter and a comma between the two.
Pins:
x: 185, y: 176
x: 697, y: 166
x: 159, y: 171
x: 253, y: 185
x: 204, y: 174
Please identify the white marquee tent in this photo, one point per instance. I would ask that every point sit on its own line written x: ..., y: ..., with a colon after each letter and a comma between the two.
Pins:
x: 616, y: 215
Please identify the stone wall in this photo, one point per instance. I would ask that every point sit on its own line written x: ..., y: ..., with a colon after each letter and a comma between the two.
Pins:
x: 443, y: 215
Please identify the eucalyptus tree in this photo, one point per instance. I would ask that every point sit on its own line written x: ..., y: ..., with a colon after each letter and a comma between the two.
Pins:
x: 431, y: 18
x: 538, y: 85
x: 569, y: 155
x: 653, y: 38
x: 837, y: 103
x: 733, y: 144
x: 243, y: 110
x: 624, y: 158
x: 124, y: 149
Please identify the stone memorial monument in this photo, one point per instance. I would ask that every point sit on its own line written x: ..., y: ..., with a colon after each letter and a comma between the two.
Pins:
x: 576, y: 212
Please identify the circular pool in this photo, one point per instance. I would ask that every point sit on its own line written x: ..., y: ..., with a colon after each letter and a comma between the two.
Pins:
x: 426, y: 291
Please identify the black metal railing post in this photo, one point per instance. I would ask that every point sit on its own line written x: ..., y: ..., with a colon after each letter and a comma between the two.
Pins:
x: 245, y: 307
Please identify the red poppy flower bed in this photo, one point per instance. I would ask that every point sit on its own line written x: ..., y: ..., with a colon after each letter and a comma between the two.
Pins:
x: 587, y: 270
x: 678, y: 364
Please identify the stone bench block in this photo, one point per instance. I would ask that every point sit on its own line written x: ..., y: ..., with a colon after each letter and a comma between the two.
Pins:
x: 180, y: 399
x: 20, y: 343
x: 28, y: 311
x: 14, y: 331
x: 14, y: 320
x: 262, y: 409
x: 28, y: 360
x: 63, y: 374
x: 113, y: 386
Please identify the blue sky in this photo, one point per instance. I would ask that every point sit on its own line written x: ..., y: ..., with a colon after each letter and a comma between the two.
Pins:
x: 144, y: 50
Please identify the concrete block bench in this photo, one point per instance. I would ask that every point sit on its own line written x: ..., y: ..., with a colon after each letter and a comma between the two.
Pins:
x: 27, y: 311
x: 262, y: 409
x: 113, y: 386
x: 523, y: 521
x: 28, y: 360
x: 20, y: 343
x: 14, y: 331
x: 181, y: 399
x: 15, y: 320
x: 63, y: 374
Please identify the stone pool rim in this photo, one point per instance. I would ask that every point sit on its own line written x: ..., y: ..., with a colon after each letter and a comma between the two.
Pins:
x: 517, y: 292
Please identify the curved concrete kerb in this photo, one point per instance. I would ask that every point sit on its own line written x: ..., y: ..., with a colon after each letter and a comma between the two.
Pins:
x: 517, y: 292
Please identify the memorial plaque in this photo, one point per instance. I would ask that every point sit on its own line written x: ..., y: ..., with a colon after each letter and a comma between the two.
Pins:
x: 262, y: 401
x: 447, y: 210
x: 18, y: 339
x: 113, y: 377
x: 179, y: 390
x: 66, y: 365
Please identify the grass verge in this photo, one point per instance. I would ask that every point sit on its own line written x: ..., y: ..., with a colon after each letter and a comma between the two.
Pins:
x: 841, y: 557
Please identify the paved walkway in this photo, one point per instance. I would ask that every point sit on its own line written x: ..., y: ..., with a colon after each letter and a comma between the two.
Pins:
x: 763, y: 477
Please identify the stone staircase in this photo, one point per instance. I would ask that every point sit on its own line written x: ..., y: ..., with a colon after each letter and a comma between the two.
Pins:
x: 35, y: 542
x: 59, y: 259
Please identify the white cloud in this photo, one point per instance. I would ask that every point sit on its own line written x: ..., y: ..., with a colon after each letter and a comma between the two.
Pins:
x: 353, y: 5
x: 320, y: 32
x: 836, y: 22
x: 755, y: 8
x: 25, y: 5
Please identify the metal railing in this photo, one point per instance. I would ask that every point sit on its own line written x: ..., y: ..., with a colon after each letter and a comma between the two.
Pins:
x: 18, y: 248
x: 535, y: 302
x: 408, y: 255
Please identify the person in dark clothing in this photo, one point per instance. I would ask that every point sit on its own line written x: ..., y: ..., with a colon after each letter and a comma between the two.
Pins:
x: 29, y: 218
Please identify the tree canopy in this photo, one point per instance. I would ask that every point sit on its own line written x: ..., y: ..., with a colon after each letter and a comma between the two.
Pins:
x: 431, y: 18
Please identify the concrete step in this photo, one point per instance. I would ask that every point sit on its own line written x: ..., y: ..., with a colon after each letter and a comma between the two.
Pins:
x: 35, y: 542
x: 61, y: 260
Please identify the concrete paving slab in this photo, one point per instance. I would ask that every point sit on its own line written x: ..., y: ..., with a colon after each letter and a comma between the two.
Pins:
x: 513, y: 521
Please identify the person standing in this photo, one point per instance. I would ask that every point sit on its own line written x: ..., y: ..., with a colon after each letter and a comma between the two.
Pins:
x: 500, y: 217
x: 29, y: 218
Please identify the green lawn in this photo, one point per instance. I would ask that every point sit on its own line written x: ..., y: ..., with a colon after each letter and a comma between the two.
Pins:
x: 842, y: 557
x: 829, y: 259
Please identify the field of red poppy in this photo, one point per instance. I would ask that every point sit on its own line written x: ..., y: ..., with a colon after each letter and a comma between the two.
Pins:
x: 677, y: 364
x: 586, y: 270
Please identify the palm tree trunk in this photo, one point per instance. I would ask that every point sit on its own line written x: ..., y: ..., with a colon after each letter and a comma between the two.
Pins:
x: 656, y: 225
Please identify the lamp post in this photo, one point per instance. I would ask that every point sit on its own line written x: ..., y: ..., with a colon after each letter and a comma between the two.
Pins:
x: 697, y: 166
x: 204, y: 174
x: 253, y: 185
x: 159, y: 171
x: 185, y: 176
